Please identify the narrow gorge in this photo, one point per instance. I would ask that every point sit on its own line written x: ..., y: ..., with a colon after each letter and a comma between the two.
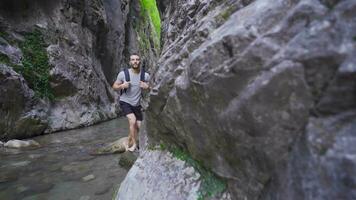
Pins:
x: 250, y: 99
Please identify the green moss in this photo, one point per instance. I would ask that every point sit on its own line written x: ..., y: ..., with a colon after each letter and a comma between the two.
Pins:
x: 211, y: 184
x: 4, y: 59
x: 4, y: 34
x: 152, y: 21
x: 35, y: 67
x: 150, y: 7
x: 224, y: 15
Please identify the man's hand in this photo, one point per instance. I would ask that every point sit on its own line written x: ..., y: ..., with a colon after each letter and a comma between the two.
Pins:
x: 125, y: 85
x: 144, y: 85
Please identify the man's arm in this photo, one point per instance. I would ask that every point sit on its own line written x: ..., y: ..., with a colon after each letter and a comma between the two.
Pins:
x: 118, y: 85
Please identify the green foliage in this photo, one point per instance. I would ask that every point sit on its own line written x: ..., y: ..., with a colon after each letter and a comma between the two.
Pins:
x: 150, y: 20
x: 354, y: 38
x: 150, y: 7
x: 162, y: 146
x: 35, y: 66
x: 211, y: 184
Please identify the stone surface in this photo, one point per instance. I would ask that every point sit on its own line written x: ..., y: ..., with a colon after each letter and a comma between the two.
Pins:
x: 85, y: 41
x: 21, y: 144
x: 118, y: 146
x: 22, y: 114
x: 127, y: 159
x: 88, y: 178
x: 172, y: 179
x: 262, y: 92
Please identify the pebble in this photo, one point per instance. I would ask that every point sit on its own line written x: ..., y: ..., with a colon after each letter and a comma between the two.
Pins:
x: 88, y: 178
x: 21, y: 143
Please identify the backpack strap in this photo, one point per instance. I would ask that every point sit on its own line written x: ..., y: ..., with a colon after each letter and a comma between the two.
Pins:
x: 127, y: 79
x: 127, y: 74
x: 142, y: 77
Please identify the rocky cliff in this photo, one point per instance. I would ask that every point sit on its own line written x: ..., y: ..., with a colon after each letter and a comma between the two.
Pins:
x: 58, y: 61
x: 260, y: 93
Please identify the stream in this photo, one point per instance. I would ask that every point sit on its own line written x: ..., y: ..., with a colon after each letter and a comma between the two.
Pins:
x: 62, y: 168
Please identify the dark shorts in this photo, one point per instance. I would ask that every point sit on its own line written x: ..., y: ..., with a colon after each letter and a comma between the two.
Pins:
x: 128, y: 108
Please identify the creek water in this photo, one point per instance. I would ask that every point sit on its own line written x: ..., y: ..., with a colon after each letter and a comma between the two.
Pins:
x: 63, y: 169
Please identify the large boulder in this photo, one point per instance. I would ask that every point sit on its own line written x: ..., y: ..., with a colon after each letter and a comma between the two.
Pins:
x: 262, y: 93
x: 84, y: 42
x: 22, y: 115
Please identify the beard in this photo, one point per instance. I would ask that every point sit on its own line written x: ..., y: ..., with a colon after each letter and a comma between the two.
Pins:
x: 135, y: 66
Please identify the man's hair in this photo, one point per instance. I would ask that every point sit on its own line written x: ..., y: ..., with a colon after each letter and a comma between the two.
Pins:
x: 135, y: 54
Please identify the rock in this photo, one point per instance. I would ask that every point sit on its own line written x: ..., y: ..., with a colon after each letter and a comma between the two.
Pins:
x: 119, y: 146
x: 25, y: 119
x: 82, y: 66
x: 261, y: 92
x: 157, y: 175
x: 102, y: 189
x: 39, y: 187
x: 22, y: 144
x: 88, y: 178
x: 1, y: 144
x: 8, y: 177
x: 127, y: 159
x: 20, y: 164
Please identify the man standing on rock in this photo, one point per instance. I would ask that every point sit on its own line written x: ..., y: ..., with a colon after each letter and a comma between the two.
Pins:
x: 130, y: 82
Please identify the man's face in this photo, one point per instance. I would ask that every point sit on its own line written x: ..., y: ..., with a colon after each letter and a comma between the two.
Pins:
x: 135, y: 61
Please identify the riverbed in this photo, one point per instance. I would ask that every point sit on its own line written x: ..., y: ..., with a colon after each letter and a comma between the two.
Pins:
x: 62, y: 168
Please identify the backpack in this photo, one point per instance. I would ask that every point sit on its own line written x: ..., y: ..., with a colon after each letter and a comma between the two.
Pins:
x: 127, y: 77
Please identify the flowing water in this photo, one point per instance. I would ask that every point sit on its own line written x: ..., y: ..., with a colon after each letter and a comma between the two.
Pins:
x: 62, y: 169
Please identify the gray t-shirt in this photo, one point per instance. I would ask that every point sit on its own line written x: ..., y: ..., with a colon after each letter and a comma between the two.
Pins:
x: 133, y: 93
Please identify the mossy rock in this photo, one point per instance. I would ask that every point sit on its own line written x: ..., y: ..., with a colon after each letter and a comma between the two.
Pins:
x: 128, y: 159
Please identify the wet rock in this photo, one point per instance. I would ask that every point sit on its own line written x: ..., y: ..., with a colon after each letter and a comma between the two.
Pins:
x: 37, y: 196
x: 39, y: 187
x: 127, y: 159
x: 74, y: 167
x: 35, y: 156
x: 20, y: 164
x: 8, y: 177
x: 102, y: 189
x: 88, y: 178
x: 22, y: 144
x: 119, y: 146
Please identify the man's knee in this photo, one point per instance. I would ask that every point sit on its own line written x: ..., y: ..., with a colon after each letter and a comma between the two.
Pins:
x: 132, y: 119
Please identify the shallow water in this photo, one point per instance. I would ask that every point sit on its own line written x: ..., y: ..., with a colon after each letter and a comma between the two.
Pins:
x: 62, y: 169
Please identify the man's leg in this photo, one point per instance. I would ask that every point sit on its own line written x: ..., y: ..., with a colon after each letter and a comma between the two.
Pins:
x: 132, y: 130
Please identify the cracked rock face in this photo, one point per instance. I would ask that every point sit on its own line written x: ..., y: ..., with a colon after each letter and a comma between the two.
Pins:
x: 262, y: 92
x: 177, y: 181
x: 84, y: 41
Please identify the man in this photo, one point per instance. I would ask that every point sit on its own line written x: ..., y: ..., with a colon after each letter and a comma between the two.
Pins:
x: 131, y: 96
